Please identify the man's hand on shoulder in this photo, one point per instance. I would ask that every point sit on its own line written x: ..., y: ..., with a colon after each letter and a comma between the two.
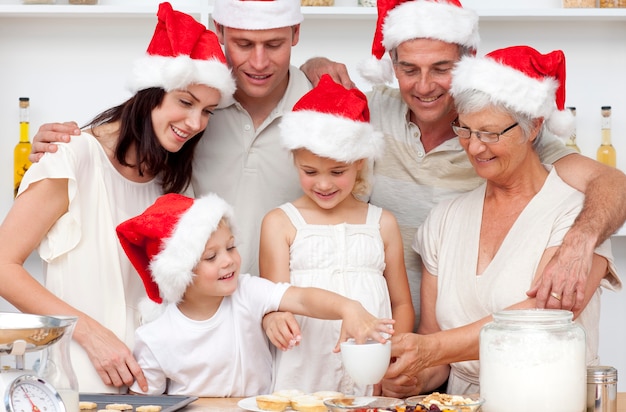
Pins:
x: 315, y: 67
x: 50, y: 133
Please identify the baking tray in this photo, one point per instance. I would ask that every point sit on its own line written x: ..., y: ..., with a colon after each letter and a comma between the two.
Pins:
x: 169, y: 403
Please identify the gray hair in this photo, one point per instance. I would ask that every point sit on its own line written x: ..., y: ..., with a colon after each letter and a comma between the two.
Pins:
x: 472, y: 101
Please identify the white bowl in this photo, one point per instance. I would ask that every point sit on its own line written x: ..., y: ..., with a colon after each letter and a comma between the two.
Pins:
x: 366, y: 363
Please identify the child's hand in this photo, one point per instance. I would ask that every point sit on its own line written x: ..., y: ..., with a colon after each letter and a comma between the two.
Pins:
x: 361, y: 325
x: 282, y: 329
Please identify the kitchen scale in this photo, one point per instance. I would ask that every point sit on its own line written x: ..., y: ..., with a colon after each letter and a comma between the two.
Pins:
x: 21, y: 389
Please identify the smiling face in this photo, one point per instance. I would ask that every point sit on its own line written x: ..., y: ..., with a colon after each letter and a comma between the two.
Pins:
x: 217, y: 271
x: 183, y: 114
x: 325, y: 181
x: 424, y: 72
x: 500, y: 161
x: 259, y: 60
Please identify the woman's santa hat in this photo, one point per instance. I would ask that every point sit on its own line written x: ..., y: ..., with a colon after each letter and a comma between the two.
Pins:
x: 183, y: 52
x: 333, y: 122
x: 403, y: 20
x: 521, y: 79
x: 257, y: 14
x: 165, y: 244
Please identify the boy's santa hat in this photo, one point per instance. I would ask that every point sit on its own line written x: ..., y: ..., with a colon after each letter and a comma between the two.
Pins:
x: 332, y: 122
x: 521, y: 79
x: 402, y: 20
x: 166, y: 241
x: 257, y: 14
x: 183, y: 52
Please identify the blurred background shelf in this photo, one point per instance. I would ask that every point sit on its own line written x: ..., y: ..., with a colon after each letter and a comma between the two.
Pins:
x: 147, y: 8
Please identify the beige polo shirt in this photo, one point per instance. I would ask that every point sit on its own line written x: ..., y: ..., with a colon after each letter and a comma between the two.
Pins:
x: 249, y: 168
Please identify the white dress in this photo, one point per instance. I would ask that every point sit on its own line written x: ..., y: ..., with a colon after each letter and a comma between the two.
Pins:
x: 348, y: 259
x: 84, y: 263
x: 227, y: 355
x: 448, y: 244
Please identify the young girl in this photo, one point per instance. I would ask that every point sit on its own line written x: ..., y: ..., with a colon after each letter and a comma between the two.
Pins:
x: 70, y: 202
x: 330, y: 239
x: 206, y: 338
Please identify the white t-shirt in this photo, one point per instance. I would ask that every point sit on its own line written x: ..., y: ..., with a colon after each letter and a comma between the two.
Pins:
x: 227, y: 355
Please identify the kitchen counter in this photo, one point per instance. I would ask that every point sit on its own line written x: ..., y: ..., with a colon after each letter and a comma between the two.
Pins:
x: 230, y: 404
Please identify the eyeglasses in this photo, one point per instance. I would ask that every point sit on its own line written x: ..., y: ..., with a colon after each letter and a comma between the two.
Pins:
x: 485, y: 137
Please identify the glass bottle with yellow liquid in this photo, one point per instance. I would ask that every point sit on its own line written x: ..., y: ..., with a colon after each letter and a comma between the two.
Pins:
x: 22, y: 148
x: 606, y: 152
x: 571, y: 141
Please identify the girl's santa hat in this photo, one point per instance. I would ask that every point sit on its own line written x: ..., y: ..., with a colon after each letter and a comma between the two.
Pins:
x: 257, y: 14
x: 183, y: 52
x: 332, y: 122
x: 521, y: 79
x: 403, y: 20
x: 165, y: 244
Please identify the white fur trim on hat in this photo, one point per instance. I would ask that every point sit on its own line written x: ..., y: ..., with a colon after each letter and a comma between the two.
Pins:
x: 172, y: 268
x: 430, y: 19
x: 331, y: 136
x: 257, y: 14
x: 173, y: 73
x: 505, y: 85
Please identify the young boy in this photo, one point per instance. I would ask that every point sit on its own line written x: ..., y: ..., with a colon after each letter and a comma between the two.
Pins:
x: 202, y: 333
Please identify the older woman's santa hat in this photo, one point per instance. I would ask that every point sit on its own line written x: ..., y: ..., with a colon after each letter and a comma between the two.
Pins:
x: 403, y: 20
x: 165, y: 244
x: 333, y: 122
x: 183, y: 52
x: 257, y: 14
x: 521, y: 79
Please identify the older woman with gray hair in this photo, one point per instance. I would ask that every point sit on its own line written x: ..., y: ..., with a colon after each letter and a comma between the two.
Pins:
x: 482, y: 251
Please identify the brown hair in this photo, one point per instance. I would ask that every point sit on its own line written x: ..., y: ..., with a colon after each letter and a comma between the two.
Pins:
x: 135, y: 118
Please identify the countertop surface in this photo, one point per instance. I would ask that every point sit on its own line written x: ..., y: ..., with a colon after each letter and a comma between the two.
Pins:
x: 230, y: 404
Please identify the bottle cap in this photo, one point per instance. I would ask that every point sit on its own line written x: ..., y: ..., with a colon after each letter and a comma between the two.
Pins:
x: 601, y: 374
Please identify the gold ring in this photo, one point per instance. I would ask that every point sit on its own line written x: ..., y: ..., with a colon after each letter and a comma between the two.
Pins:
x: 556, y: 296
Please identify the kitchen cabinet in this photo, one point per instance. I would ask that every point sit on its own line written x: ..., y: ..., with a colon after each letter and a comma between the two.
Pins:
x: 73, y: 62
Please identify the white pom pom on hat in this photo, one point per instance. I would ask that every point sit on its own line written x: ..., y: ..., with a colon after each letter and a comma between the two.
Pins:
x: 183, y: 52
x: 402, y: 20
x: 523, y: 80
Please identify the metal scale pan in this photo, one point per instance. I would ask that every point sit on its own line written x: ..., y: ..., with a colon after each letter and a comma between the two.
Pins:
x: 37, y: 332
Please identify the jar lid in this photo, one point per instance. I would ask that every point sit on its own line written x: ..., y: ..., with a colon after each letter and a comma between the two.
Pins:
x: 601, y: 374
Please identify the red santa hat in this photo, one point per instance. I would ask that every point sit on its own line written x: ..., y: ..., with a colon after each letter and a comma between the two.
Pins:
x: 183, y: 52
x: 166, y: 241
x: 402, y: 20
x: 521, y: 79
x: 332, y: 121
x: 257, y: 14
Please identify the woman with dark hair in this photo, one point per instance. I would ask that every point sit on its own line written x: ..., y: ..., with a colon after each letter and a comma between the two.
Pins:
x: 70, y: 202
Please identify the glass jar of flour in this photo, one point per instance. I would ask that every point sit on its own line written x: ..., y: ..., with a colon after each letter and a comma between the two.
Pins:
x: 533, y: 359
